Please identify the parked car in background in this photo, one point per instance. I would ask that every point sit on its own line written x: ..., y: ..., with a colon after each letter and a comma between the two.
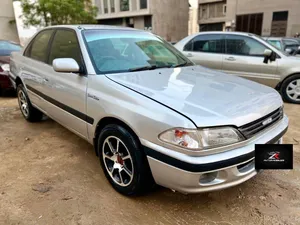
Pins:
x: 147, y: 109
x: 6, y: 48
x: 289, y: 45
x: 248, y: 56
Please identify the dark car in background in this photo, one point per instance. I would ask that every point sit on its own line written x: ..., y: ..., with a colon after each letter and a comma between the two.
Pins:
x: 6, y: 47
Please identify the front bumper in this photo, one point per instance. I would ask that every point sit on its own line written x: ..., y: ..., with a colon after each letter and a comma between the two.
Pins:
x: 196, y: 174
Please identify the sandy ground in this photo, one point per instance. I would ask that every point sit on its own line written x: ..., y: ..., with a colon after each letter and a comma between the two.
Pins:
x: 50, y: 176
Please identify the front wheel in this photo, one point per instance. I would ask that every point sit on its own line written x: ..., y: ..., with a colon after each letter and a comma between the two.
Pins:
x: 290, y: 89
x: 30, y: 113
x: 123, y: 161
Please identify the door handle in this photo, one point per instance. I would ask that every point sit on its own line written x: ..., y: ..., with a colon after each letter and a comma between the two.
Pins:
x: 230, y: 59
x: 189, y: 55
x: 46, y: 79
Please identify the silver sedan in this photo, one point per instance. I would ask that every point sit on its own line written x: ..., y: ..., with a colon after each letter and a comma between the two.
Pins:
x: 151, y: 114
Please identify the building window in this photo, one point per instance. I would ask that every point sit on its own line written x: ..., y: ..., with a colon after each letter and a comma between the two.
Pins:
x: 112, y: 6
x: 143, y: 4
x: 148, y: 22
x: 212, y: 10
x: 251, y: 23
x: 279, y: 24
x: 124, y: 5
x: 211, y: 27
x: 105, y: 6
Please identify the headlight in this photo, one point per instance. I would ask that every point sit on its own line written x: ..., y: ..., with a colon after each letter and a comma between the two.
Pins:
x: 201, y: 139
x: 5, y: 67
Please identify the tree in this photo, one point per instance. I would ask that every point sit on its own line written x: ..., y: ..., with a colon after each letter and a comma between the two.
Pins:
x: 55, y: 12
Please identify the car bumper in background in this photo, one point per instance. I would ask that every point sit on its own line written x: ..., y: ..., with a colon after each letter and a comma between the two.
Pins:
x: 195, y: 174
x: 5, y: 82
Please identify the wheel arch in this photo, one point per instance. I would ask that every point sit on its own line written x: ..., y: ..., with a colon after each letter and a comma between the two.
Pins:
x: 111, y: 120
x: 18, y: 81
x: 278, y: 87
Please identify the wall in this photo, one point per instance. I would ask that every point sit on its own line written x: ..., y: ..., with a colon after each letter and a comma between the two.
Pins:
x: 267, y: 7
x: 8, y: 31
x: 170, y: 18
x: 139, y: 22
x: 193, y: 17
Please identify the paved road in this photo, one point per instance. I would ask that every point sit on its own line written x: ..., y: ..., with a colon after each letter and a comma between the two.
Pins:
x: 50, y: 176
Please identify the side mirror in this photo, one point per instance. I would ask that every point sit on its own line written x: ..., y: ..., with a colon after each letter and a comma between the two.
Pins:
x: 267, y: 54
x: 65, y: 65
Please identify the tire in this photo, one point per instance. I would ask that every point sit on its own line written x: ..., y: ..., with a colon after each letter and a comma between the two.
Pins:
x: 120, y: 165
x: 289, y: 86
x: 30, y: 113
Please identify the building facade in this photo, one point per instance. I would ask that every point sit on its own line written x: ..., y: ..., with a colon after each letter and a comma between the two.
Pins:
x: 166, y: 18
x: 8, y: 28
x: 193, y: 17
x: 262, y: 17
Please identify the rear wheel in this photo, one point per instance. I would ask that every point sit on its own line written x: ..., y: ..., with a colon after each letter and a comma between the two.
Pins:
x: 28, y: 111
x: 123, y: 161
x: 290, y: 89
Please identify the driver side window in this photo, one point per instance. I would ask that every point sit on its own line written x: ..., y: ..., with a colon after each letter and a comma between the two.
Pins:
x: 242, y: 45
x: 65, y: 45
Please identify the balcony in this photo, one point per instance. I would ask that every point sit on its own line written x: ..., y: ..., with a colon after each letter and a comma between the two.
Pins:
x: 212, y: 12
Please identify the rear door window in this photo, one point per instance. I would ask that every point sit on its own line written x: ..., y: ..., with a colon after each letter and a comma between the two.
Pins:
x: 212, y: 43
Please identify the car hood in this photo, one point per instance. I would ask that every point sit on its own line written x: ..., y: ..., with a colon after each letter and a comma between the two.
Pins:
x: 207, y: 97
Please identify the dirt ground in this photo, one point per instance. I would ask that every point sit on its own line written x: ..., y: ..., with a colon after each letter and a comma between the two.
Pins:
x: 48, y: 175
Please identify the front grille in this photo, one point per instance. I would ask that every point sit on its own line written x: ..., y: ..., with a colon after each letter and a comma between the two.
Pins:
x: 250, y: 129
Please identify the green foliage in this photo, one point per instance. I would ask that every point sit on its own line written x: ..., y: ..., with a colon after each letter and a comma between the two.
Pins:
x: 55, y: 12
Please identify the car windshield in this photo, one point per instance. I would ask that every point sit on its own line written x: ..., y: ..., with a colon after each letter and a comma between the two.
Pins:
x: 7, y: 47
x: 115, y: 51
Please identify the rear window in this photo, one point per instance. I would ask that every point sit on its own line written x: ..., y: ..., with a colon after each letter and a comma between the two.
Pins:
x: 7, y: 47
x: 275, y: 43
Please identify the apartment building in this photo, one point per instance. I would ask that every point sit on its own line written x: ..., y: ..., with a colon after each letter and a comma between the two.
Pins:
x: 8, y: 29
x: 166, y: 18
x: 262, y: 17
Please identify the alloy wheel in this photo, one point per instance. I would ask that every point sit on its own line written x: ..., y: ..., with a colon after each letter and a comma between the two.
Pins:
x: 117, y: 161
x: 23, y: 103
x: 293, y: 90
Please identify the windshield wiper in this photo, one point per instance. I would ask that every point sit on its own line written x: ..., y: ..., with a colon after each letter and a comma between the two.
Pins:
x: 151, y: 67
x: 179, y: 65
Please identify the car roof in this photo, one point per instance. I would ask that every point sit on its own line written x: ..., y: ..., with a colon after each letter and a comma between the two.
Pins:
x: 93, y: 27
x: 225, y: 32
